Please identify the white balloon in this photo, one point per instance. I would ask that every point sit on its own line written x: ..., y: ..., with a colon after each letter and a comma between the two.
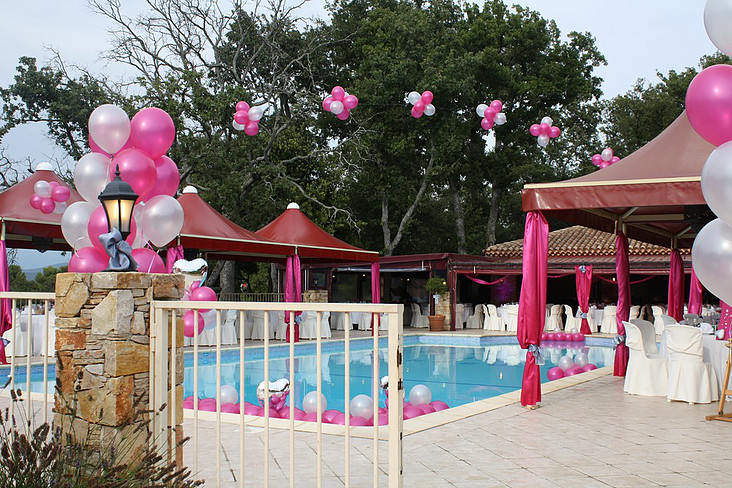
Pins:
x: 565, y: 362
x: 209, y: 319
x: 429, y: 110
x: 712, y: 258
x: 74, y: 223
x: 162, y: 219
x: 543, y: 140
x: 42, y: 188
x: 362, y: 406
x: 109, y: 127
x: 547, y: 120
x: 480, y: 109
x: 336, y: 107
x: 606, y: 154
x: 310, y: 402
x: 236, y: 125
x: 420, y: 395
x: 717, y: 18
x: 414, y: 97
x: 91, y: 175
x: 716, y: 182
x: 229, y: 394
x: 256, y: 113
x: 500, y: 118
x: 581, y: 360
x: 60, y: 208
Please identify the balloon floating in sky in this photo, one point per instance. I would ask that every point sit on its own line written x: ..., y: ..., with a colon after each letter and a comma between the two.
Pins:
x: 247, y: 118
x: 605, y: 158
x: 340, y: 103
x: 544, y: 131
x: 49, y: 197
x: 491, y: 114
x: 421, y: 104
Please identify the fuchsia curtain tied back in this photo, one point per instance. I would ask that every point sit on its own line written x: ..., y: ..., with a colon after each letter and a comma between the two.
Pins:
x: 583, y: 280
x: 5, y: 305
x: 532, y: 302
x: 622, y: 271
x: 695, y: 294
x: 483, y: 282
x: 174, y: 254
x: 293, y: 292
x: 676, y: 286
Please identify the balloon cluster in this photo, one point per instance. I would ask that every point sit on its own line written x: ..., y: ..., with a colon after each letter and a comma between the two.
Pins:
x: 491, y: 114
x: 421, y: 104
x: 709, y: 109
x: 340, y: 103
x: 206, y: 317
x: 49, y: 197
x: 138, y: 149
x: 562, y: 336
x: 569, y: 367
x: 605, y: 158
x: 544, y: 131
x: 247, y: 118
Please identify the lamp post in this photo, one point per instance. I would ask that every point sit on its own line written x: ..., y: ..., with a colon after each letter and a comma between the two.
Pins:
x: 118, y: 200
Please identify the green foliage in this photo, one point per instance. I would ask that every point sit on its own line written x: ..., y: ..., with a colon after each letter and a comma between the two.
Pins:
x: 45, y: 281
x: 436, y: 285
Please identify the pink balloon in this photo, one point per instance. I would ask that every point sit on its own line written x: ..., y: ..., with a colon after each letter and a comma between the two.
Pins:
x: 345, y: 113
x: 148, y: 260
x: 359, y: 421
x: 412, y: 411
x: 438, y: 405
x: 544, y: 128
x: 588, y: 367
x: 420, y: 105
x: 230, y: 407
x: 427, y: 408
x: 189, y: 323
x: 98, y: 225
x: 490, y: 114
x: 241, y: 116
x: 251, y: 128
x: 53, y: 185
x: 168, y: 178
x: 578, y: 337
x: 709, y: 104
x: 383, y: 419
x: 251, y: 409
x: 136, y: 169
x: 559, y: 336
x: 338, y: 93
x: 604, y: 165
x: 427, y: 97
x: 326, y: 103
x: 188, y: 402
x: 312, y: 417
x: 614, y: 160
x: 35, y: 201
x: 416, y: 113
x: 88, y: 260
x: 596, y: 159
x: 350, y: 102
x: 555, y: 373
x: 339, y: 419
x: 242, y: 107
x: 47, y: 205
x: 573, y: 370
x: 535, y: 130
x: 203, y: 294
x: 152, y: 130
x: 329, y: 415
x: 497, y: 105
x: 554, y: 132
x: 544, y: 336
x: 383, y: 410
x: 60, y: 193
x: 207, y: 404
x: 298, y: 415
x: 487, y: 124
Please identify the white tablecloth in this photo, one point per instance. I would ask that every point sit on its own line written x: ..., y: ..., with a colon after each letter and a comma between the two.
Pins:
x: 338, y: 319
x: 715, y: 353
x: 37, y: 333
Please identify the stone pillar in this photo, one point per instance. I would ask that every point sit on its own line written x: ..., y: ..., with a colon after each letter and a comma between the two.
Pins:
x: 315, y: 296
x: 103, y: 355
x: 443, y: 307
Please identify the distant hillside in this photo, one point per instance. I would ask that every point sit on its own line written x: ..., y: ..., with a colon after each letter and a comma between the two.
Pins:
x: 31, y: 273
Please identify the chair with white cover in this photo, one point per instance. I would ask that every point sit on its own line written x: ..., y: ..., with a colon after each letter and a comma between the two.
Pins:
x: 690, y: 379
x: 643, y: 312
x: 646, y: 374
x: 657, y: 320
x: 649, y: 335
x: 492, y: 321
x: 310, y: 329
x: 512, y: 322
x: 570, y: 323
x: 609, y: 324
x: 476, y: 320
x: 256, y: 317
x: 555, y: 320
x: 228, y: 326
x: 418, y: 320
x: 634, y: 312
x: 590, y: 321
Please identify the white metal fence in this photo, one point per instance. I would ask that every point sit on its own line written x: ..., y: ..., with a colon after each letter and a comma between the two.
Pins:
x: 164, y: 366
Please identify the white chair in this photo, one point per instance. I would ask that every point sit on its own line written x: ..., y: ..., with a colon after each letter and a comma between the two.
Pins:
x: 256, y: 317
x: 590, y: 320
x: 649, y: 336
x: 570, y: 322
x: 690, y: 379
x: 609, y: 324
x: 228, y: 326
x: 492, y: 321
x: 646, y: 375
x: 418, y: 320
x: 309, y: 326
x: 512, y: 322
x: 643, y: 312
x: 657, y: 320
x: 634, y: 312
x: 555, y: 319
x: 476, y: 320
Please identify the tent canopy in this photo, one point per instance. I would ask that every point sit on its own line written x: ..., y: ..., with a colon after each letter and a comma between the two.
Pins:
x: 207, y: 230
x: 656, y: 191
x: 23, y: 223
x: 310, y: 241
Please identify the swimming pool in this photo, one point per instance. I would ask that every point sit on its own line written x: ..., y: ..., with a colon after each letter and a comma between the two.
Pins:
x: 458, y: 370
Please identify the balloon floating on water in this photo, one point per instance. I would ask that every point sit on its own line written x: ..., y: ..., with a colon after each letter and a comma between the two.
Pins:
x: 340, y: 103
x: 544, y: 131
x: 421, y: 104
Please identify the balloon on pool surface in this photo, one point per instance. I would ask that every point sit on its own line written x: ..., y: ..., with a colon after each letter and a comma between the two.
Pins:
x: 420, y: 394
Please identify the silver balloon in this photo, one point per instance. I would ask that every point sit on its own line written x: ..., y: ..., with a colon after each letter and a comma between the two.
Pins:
x: 480, y: 109
x: 717, y: 19
x: 547, y: 120
x: 310, y: 402
x: 236, y: 125
x: 543, y: 140
x: 228, y: 394
x: 109, y: 127
x: 429, y: 110
x: 60, y: 208
x: 606, y: 154
x: 362, y: 406
x: 91, y: 175
x: 162, y: 219
x: 716, y: 182
x: 74, y: 223
x: 711, y: 255
x: 581, y: 359
x: 420, y: 395
x: 256, y: 113
x: 209, y: 319
x: 42, y: 189
x: 500, y: 118
x: 414, y: 97
x: 336, y: 107
x: 565, y: 362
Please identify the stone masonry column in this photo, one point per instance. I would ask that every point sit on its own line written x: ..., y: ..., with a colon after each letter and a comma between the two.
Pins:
x: 103, y: 355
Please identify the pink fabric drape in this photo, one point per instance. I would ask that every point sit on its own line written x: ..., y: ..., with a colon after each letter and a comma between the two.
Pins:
x: 174, y: 254
x: 622, y: 271
x: 676, y: 286
x: 532, y: 302
x: 293, y: 292
x: 5, y: 305
x: 695, y: 294
x: 583, y: 280
x: 375, y: 294
x: 483, y: 282
x: 725, y: 319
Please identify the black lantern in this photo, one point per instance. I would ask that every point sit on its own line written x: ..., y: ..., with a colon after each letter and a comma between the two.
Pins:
x: 118, y: 200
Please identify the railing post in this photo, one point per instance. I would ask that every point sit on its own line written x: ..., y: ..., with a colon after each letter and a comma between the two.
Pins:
x: 396, y: 398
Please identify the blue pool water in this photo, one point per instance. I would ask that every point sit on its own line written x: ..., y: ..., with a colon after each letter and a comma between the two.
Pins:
x: 457, y: 370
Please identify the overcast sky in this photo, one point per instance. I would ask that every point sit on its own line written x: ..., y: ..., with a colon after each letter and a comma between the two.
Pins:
x: 637, y: 37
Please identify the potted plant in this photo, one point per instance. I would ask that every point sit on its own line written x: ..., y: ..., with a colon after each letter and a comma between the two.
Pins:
x: 436, y: 286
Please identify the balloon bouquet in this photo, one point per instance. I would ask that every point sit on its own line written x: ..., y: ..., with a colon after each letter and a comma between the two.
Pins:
x: 421, y: 104
x: 605, y: 159
x: 247, y: 118
x: 544, y: 131
x: 138, y: 149
x: 491, y: 114
x: 49, y: 197
x: 340, y: 103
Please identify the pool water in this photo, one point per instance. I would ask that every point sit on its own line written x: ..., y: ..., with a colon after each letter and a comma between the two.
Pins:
x: 457, y: 370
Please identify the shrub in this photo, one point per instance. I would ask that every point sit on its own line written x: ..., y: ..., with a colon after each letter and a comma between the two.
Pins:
x: 436, y: 286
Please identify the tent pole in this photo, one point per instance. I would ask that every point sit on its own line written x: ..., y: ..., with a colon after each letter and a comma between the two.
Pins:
x: 2, y: 232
